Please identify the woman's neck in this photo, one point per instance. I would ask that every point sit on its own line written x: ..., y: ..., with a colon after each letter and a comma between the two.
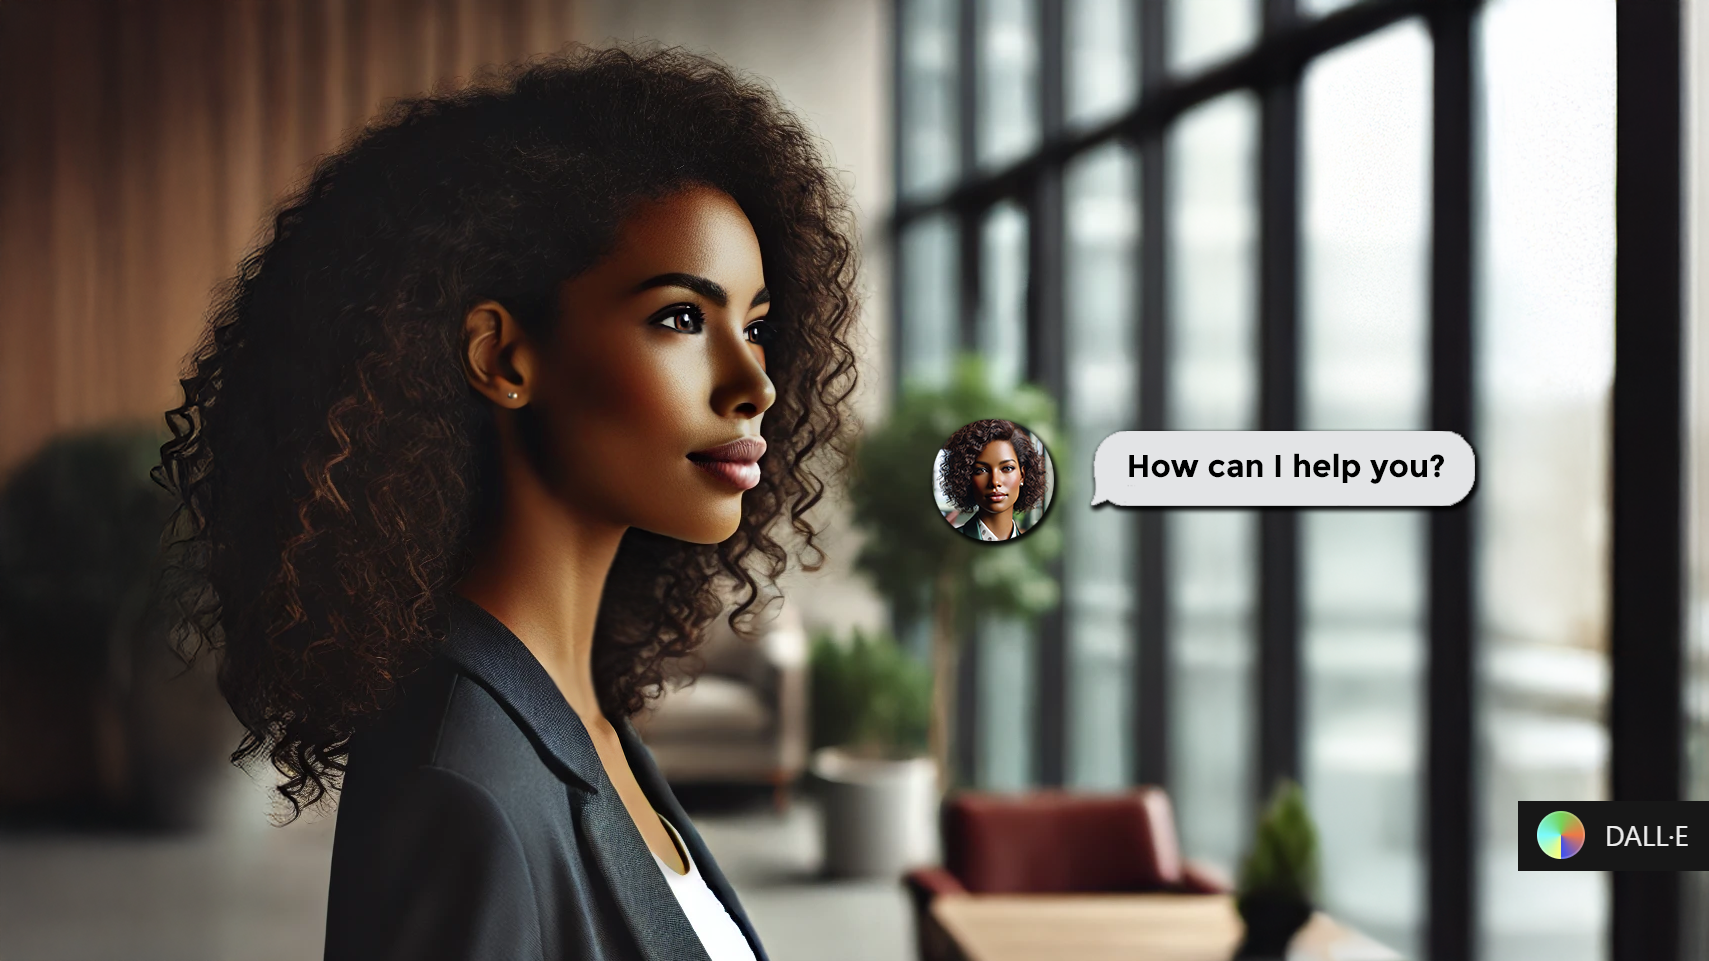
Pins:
x: 541, y: 572
x: 1001, y: 523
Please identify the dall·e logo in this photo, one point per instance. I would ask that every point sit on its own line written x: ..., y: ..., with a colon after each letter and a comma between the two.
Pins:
x: 1560, y: 835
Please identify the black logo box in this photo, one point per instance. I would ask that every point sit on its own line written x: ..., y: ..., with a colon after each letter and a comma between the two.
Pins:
x: 1649, y: 832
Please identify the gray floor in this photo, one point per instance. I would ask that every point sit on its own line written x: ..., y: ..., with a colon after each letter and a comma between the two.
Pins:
x: 246, y: 891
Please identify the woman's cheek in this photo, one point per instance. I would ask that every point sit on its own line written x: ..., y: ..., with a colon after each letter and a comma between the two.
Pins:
x: 637, y: 398
x: 664, y: 387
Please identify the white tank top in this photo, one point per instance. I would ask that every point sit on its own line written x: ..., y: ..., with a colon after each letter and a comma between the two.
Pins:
x: 717, y: 931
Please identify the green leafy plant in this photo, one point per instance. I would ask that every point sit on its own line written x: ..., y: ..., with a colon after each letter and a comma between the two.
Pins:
x: 1283, y: 863
x: 85, y: 636
x: 80, y: 527
x: 914, y: 559
x: 870, y: 697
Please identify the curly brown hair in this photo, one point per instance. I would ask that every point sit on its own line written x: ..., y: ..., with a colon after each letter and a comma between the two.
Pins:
x: 955, y: 474
x: 334, y: 467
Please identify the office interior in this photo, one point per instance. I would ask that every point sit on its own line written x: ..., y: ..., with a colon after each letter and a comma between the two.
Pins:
x: 1160, y: 214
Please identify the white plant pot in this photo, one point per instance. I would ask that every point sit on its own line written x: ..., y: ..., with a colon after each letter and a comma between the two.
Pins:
x: 880, y: 817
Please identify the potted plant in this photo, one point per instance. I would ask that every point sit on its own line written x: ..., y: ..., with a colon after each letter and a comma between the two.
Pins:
x: 1278, y: 880
x: 916, y: 561
x: 871, y: 708
x: 102, y: 718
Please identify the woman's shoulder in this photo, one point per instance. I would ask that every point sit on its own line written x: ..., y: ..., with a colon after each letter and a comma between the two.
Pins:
x: 443, y: 719
x: 969, y: 527
x: 418, y: 826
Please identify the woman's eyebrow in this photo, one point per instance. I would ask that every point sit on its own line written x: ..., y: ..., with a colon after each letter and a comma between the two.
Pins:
x: 710, y: 289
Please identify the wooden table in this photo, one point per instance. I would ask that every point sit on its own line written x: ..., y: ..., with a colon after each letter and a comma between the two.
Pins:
x: 1125, y: 927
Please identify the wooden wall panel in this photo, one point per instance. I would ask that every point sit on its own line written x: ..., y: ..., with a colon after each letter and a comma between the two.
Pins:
x: 26, y: 166
x: 82, y: 367
x: 142, y: 143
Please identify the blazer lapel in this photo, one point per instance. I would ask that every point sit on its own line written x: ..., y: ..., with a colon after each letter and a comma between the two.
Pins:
x: 499, y: 661
x: 664, y: 801
x: 487, y: 651
x: 661, y: 930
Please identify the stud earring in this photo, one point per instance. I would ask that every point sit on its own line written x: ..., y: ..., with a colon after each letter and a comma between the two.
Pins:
x: 511, y: 395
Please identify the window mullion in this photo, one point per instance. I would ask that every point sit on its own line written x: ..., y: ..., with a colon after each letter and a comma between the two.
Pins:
x: 1279, y: 581
x: 1151, y: 663
x: 1045, y: 366
x: 1648, y: 547
x: 1449, y: 812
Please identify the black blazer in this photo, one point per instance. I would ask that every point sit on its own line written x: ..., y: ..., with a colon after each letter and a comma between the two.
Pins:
x: 476, y: 822
x: 970, y: 528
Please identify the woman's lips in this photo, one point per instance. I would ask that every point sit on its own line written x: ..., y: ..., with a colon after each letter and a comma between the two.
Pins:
x: 996, y: 497
x: 736, y: 462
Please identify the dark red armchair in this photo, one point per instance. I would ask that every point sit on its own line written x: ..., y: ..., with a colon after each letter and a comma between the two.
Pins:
x: 1053, y: 842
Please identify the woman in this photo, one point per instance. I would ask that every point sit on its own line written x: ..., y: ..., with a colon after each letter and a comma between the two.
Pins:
x: 985, y: 469
x: 517, y: 389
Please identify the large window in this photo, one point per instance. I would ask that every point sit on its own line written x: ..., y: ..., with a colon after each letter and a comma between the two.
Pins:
x: 1319, y: 214
x: 1546, y: 352
x: 1365, y: 363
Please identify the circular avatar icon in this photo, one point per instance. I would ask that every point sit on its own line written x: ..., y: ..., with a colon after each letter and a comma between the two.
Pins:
x: 993, y: 480
x: 1560, y: 835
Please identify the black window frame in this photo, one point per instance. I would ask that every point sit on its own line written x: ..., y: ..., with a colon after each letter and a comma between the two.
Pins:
x: 1647, y: 491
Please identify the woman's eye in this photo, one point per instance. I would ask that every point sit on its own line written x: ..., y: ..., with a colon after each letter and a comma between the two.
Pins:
x: 759, y: 332
x: 683, y: 318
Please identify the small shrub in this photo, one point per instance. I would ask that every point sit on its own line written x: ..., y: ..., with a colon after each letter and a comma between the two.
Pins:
x: 870, y: 696
x: 1283, y: 864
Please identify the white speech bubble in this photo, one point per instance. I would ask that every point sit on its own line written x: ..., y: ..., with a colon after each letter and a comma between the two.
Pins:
x: 1283, y: 468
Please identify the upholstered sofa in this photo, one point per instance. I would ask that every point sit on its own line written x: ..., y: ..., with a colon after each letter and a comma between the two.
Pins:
x: 743, y: 720
x: 1053, y: 842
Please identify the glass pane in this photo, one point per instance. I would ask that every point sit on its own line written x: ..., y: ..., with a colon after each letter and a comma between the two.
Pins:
x: 1321, y: 7
x: 1213, y: 253
x: 930, y: 306
x: 1005, y: 647
x: 1008, y: 80
x: 1212, y: 602
x: 1545, y: 355
x: 1102, y: 62
x: 930, y: 152
x: 1366, y: 183
x: 1006, y: 652
x: 1101, y: 396
x: 1365, y: 340
x: 1205, y: 32
x: 1003, y: 294
x: 1364, y: 657
x: 1212, y: 554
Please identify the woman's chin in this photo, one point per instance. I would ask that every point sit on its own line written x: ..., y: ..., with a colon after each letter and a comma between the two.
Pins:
x: 711, y: 526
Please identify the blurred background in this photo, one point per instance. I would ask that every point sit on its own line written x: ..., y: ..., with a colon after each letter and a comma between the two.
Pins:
x: 1193, y: 214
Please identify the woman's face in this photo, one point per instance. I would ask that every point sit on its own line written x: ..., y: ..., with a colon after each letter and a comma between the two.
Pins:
x: 997, y: 477
x: 652, y: 387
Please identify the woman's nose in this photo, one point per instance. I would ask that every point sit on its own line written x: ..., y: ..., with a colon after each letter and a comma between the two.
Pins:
x: 740, y: 385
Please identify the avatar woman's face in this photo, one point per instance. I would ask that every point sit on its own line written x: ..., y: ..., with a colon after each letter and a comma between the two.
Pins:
x: 997, y: 477
x: 652, y: 387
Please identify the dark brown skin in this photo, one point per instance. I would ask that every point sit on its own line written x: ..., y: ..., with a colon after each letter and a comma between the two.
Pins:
x: 997, y: 479
x: 627, y: 388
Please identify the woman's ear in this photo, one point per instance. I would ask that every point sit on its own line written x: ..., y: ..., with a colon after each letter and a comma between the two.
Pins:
x: 498, y: 357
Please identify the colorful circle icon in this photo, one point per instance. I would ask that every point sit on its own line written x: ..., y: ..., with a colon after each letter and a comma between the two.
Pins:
x: 1560, y: 835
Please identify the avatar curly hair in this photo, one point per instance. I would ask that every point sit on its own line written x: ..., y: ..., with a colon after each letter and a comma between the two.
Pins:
x: 334, y: 467
x: 955, y: 474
